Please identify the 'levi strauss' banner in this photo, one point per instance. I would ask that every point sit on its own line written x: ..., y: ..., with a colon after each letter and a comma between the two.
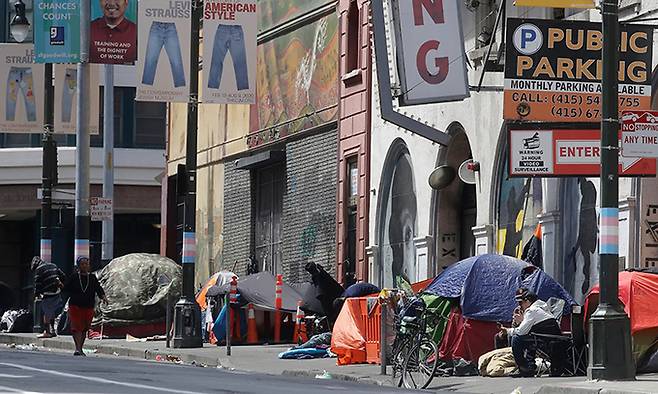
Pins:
x: 164, y: 50
x: 230, y: 29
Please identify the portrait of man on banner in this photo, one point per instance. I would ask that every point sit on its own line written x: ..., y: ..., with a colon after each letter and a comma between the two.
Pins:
x: 113, y: 32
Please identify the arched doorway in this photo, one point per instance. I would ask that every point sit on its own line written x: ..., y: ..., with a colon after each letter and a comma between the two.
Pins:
x: 396, y: 221
x: 455, y: 207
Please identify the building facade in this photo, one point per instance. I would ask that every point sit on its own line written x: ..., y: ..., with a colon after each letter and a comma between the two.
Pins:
x: 140, y: 130
x: 415, y: 231
x: 267, y: 173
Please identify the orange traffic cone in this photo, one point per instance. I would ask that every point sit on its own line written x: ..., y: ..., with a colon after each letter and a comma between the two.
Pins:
x: 252, y: 331
x: 300, y: 325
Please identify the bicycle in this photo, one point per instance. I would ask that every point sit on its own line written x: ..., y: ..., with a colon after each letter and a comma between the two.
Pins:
x: 415, y: 355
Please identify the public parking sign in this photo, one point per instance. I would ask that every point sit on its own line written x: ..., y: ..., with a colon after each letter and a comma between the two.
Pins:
x: 566, y: 153
x: 639, y: 133
x: 101, y: 209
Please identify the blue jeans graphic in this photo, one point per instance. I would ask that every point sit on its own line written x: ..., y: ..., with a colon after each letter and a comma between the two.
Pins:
x: 20, y: 78
x: 68, y: 92
x: 163, y: 34
x: 229, y: 38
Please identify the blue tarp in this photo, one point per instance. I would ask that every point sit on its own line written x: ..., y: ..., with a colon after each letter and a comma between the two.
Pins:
x: 486, y: 286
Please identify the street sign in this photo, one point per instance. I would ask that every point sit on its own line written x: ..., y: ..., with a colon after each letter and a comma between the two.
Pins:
x: 58, y: 194
x: 553, y: 70
x: 566, y: 153
x: 639, y: 133
x: 101, y: 209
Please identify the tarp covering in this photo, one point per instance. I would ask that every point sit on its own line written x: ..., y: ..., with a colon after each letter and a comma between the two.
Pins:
x: 438, y: 309
x: 485, y: 286
x: 347, y: 338
x: 638, y: 292
x: 216, y: 279
x: 259, y: 289
x: 466, y: 338
x: 131, y: 284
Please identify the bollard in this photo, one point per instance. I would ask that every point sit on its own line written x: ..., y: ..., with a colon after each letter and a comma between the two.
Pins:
x: 278, y: 304
x: 382, y: 337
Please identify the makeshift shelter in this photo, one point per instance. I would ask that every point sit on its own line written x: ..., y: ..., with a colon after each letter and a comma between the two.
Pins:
x: 137, y: 286
x: 466, y: 338
x: 217, y: 279
x: 638, y: 292
x: 485, y: 286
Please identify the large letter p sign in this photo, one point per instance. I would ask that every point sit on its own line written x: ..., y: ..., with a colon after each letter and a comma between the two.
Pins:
x: 528, y: 39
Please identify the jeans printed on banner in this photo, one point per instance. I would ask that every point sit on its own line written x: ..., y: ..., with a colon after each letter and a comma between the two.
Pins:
x: 20, y: 78
x: 70, y: 87
x: 229, y: 38
x: 163, y: 34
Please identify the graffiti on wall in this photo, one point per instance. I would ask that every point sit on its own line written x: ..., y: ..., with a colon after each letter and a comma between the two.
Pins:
x: 319, y: 227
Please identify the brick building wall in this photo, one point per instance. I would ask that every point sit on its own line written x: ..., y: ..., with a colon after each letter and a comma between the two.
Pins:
x: 309, y: 205
x: 354, y: 128
x: 237, y: 231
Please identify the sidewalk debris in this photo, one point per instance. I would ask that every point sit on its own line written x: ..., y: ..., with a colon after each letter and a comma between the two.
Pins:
x: 31, y: 347
x: 516, y: 391
x: 89, y: 351
x: 324, y: 375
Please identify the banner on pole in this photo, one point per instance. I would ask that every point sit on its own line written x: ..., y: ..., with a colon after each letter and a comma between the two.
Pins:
x: 66, y: 89
x: 231, y: 29
x: 21, y: 101
x: 57, y: 31
x: 163, y: 61
x: 113, y: 32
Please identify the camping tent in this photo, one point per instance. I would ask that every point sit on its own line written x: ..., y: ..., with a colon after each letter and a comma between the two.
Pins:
x: 485, y: 286
x: 466, y: 338
x: 217, y: 279
x: 259, y: 289
x: 638, y: 292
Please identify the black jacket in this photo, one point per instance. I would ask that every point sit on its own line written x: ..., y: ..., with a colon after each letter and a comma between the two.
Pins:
x: 82, y: 290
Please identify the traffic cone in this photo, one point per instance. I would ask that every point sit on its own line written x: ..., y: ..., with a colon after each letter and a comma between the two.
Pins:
x: 252, y: 330
x: 278, y: 291
x: 300, y: 325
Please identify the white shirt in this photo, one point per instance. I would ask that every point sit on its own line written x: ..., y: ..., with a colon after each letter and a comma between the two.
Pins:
x: 536, y: 313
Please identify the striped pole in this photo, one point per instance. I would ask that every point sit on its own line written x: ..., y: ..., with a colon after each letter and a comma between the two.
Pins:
x: 278, y: 304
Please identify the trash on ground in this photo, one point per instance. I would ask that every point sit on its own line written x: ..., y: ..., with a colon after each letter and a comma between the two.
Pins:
x: 324, y: 375
x: 31, y: 347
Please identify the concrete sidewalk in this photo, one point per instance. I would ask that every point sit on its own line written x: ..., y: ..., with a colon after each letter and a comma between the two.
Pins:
x: 263, y: 359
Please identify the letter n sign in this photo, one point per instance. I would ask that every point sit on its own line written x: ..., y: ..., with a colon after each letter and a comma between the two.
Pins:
x: 430, y: 48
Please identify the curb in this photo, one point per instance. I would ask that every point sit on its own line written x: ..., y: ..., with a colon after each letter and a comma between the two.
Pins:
x: 589, y: 390
x: 334, y: 376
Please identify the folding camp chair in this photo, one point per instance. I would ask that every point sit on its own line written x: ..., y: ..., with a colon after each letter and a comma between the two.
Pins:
x: 573, y: 342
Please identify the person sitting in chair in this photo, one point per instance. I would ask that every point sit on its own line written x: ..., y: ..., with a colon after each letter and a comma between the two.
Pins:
x: 532, y: 317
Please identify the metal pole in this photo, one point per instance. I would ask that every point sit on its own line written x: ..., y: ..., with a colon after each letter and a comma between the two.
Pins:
x: 107, y: 253
x: 168, y: 322
x: 187, y: 316
x: 228, y: 324
x: 82, y: 151
x: 382, y: 336
x: 47, y: 181
x: 609, y: 334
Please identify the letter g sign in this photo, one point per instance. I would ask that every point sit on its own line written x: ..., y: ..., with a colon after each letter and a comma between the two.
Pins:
x: 528, y: 39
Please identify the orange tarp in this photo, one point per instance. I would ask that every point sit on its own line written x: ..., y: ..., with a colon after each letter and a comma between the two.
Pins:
x: 348, y: 336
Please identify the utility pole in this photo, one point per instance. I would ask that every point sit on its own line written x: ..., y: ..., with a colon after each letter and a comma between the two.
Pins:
x: 49, y: 167
x: 609, y: 334
x: 107, y: 253
x: 187, y: 316
x: 82, y: 152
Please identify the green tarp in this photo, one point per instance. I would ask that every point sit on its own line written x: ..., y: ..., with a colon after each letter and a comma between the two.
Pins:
x: 438, y: 311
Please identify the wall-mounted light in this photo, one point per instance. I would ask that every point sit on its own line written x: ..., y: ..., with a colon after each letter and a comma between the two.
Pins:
x: 19, y: 25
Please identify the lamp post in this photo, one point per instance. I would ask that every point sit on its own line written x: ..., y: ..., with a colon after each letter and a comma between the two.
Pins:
x: 19, y: 27
x: 609, y: 334
x: 187, y: 316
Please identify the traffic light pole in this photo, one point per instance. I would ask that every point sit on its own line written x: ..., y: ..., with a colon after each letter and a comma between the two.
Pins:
x: 49, y: 167
x: 187, y: 316
x: 609, y: 333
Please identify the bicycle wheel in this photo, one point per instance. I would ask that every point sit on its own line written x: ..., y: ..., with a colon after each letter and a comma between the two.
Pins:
x: 400, y: 352
x: 420, y: 365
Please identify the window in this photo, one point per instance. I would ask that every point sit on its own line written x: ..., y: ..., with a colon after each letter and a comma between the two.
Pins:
x: 352, y: 220
x: 353, y: 33
x: 150, y: 123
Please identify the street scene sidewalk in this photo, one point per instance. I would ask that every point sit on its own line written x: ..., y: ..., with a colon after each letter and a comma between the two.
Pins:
x: 263, y: 359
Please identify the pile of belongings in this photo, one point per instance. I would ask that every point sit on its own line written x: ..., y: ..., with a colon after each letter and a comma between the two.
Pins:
x: 316, y: 347
x: 16, y: 320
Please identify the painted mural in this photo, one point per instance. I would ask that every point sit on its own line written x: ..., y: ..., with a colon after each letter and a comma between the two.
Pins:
x: 297, y: 82
x: 274, y: 12
x: 579, y: 235
x: 520, y: 203
x: 398, y: 226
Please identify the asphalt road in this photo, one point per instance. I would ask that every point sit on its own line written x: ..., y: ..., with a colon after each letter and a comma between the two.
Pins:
x: 41, y: 372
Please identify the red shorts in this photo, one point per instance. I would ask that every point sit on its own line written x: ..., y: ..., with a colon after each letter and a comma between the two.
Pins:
x: 80, y: 318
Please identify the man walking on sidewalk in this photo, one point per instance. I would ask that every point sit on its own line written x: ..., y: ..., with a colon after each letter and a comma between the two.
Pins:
x: 82, y: 288
x: 47, y: 280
